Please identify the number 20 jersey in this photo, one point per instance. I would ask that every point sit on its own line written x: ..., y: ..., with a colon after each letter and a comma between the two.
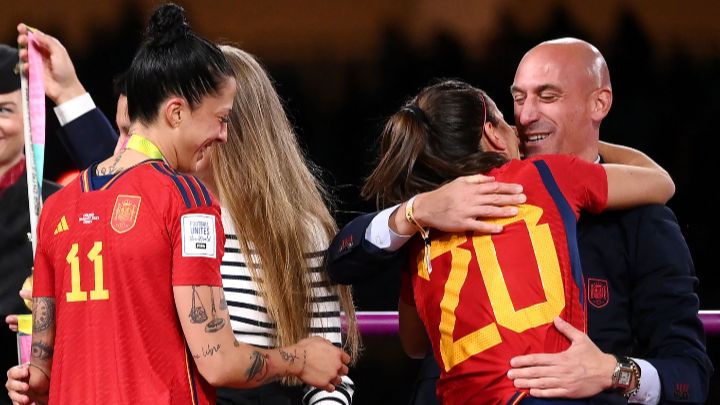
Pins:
x: 110, y: 257
x: 489, y: 298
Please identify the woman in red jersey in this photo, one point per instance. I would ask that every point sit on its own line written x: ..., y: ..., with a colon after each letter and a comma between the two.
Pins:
x: 480, y: 300
x: 133, y: 242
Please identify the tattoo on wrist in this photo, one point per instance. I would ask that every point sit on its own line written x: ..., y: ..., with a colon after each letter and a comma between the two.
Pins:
x: 288, y: 357
x: 258, y: 366
x: 43, y: 313
x: 41, y: 351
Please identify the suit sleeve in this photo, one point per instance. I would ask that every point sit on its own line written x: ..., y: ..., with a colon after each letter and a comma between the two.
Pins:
x: 665, y: 307
x: 351, y: 258
x: 88, y: 138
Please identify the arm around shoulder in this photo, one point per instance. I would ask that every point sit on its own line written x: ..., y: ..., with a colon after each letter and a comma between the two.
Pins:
x: 633, y: 178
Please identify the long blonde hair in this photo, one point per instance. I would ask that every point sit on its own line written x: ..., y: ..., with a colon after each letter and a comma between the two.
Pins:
x: 276, y: 204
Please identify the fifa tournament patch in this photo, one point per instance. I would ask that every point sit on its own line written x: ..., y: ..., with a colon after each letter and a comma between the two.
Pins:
x: 198, y: 235
x: 125, y: 213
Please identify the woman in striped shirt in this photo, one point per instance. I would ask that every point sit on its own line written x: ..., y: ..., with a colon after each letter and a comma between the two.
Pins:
x: 277, y: 228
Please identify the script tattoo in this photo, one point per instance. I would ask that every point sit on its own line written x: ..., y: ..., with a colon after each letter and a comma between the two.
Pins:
x: 208, y: 351
x: 258, y: 366
x: 43, y: 313
x: 41, y: 351
x: 102, y: 171
x: 287, y: 356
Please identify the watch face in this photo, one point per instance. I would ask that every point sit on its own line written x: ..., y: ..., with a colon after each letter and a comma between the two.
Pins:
x: 625, y: 377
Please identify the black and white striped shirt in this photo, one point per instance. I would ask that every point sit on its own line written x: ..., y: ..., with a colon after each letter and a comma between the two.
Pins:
x: 249, y: 318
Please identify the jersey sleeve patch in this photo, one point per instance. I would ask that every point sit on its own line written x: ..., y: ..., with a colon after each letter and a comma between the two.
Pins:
x: 198, y: 235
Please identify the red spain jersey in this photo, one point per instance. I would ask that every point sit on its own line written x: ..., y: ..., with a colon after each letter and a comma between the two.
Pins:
x: 110, y: 257
x: 489, y: 298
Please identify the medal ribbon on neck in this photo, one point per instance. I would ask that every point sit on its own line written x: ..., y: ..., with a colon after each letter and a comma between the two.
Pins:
x: 144, y: 146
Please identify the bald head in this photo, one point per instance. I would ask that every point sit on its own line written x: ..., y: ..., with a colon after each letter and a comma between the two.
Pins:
x: 562, y: 93
x: 582, y: 55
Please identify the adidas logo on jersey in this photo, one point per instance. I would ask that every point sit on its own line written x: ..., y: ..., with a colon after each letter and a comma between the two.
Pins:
x: 62, y: 226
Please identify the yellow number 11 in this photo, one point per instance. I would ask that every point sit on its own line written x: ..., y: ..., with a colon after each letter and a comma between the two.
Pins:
x: 95, y: 256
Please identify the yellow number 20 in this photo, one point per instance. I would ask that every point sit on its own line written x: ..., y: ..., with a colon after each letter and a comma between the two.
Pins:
x: 76, y: 294
x: 456, y: 351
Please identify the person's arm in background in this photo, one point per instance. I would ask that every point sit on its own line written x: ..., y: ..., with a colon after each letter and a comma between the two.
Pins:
x: 372, y: 243
x: 85, y: 132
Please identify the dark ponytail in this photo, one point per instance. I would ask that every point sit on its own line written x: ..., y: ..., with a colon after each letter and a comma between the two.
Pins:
x: 172, y: 61
x: 430, y: 141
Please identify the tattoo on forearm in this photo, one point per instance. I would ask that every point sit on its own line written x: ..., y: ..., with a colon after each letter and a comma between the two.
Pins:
x: 287, y: 356
x: 208, y: 351
x: 41, y: 351
x: 215, y: 323
x: 197, y: 311
x: 43, y: 313
x: 258, y: 366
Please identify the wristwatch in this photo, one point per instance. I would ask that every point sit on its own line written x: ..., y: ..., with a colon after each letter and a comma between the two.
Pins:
x: 622, y: 378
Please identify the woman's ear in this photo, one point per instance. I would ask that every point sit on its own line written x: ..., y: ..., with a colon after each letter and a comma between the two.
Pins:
x: 491, y: 141
x: 173, y: 111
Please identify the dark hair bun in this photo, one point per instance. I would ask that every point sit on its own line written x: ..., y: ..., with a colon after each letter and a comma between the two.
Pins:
x: 167, y: 25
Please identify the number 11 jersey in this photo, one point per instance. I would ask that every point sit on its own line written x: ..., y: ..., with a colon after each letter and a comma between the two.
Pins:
x: 110, y: 255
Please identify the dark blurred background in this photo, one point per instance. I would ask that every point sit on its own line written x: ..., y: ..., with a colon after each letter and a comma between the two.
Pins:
x: 343, y: 67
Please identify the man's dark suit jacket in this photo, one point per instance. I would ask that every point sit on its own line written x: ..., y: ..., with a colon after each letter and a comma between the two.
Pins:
x: 88, y: 138
x: 640, y: 284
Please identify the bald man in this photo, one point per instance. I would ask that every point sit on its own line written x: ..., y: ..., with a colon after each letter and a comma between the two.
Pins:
x: 638, y: 273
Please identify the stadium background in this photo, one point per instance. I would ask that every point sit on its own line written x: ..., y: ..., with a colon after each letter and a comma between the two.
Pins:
x: 342, y: 67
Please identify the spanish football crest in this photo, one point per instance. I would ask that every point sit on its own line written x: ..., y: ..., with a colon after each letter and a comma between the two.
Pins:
x: 598, y: 293
x: 125, y: 213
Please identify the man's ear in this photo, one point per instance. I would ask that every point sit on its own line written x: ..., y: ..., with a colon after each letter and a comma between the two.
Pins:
x: 491, y: 140
x: 601, y: 103
x: 174, y: 111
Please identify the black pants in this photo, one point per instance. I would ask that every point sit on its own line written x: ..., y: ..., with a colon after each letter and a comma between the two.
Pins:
x: 268, y: 394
